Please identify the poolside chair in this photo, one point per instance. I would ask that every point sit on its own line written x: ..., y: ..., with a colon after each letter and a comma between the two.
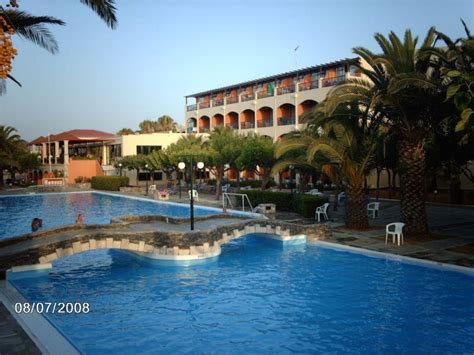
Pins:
x: 151, y: 188
x: 322, y: 211
x: 195, y: 195
x: 373, y: 209
x: 396, y: 231
x: 225, y: 188
x: 341, y: 198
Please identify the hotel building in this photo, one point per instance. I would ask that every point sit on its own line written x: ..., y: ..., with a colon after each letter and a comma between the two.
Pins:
x: 270, y: 106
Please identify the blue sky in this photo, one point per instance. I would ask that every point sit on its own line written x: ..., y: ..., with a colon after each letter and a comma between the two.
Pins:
x: 163, y: 50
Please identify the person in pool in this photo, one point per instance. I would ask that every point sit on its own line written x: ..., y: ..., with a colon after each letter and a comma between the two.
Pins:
x: 36, y: 224
x: 80, y: 219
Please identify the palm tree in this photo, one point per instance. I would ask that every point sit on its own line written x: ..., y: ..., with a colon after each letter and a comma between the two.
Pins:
x: 410, y: 111
x: 343, y: 140
x: 33, y: 28
x: 11, y: 145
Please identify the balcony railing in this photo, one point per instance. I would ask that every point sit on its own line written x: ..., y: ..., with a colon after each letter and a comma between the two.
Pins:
x: 248, y: 97
x: 217, y: 102
x: 191, y: 107
x: 285, y: 120
x: 264, y: 94
x: 285, y: 90
x: 333, y: 81
x: 204, y: 130
x: 204, y: 105
x: 233, y: 125
x: 232, y: 100
x: 309, y: 85
x: 247, y: 125
x: 265, y: 123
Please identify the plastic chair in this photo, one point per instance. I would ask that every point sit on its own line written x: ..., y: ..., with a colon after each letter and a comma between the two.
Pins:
x: 152, y: 188
x: 314, y: 192
x: 395, y: 232
x: 225, y: 188
x: 195, y: 195
x: 373, y: 209
x: 322, y: 210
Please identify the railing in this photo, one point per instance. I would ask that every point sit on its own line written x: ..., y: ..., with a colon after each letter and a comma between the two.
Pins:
x: 53, y: 181
x: 218, y: 102
x: 191, y: 107
x: 333, y: 81
x: 264, y: 94
x: 247, y: 125
x: 234, y: 125
x: 204, y: 105
x: 226, y: 201
x: 192, y: 130
x: 285, y: 90
x: 203, y: 129
x: 232, y: 100
x: 308, y: 86
x: 264, y: 123
x: 285, y: 120
x: 247, y: 97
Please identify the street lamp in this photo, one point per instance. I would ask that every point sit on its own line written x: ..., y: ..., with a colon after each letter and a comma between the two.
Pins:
x: 120, y: 168
x: 181, y: 167
x: 199, y: 165
x: 146, y: 177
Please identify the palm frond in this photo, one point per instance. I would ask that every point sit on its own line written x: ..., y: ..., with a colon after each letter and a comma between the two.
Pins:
x: 105, y: 9
x: 405, y: 80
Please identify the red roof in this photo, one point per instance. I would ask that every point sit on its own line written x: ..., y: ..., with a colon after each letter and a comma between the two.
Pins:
x: 75, y: 135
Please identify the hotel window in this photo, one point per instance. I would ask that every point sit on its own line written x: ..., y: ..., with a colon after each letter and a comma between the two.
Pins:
x: 340, y: 71
x: 143, y: 175
x: 147, y: 149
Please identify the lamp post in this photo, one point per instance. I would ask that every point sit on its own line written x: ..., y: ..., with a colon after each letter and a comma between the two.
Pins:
x: 146, y: 177
x: 120, y: 168
x: 199, y: 165
x: 291, y: 177
x: 181, y: 167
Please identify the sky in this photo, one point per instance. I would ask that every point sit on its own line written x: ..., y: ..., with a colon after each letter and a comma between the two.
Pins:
x: 163, y: 50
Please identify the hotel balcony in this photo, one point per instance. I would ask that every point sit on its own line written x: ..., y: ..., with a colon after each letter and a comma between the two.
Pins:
x: 285, y: 90
x: 333, y: 81
x: 286, y: 121
x: 265, y: 123
x: 264, y: 94
x: 247, y: 125
x: 247, y: 97
x: 309, y: 85
x: 191, y: 107
x: 204, y: 105
x: 232, y: 100
x: 217, y: 102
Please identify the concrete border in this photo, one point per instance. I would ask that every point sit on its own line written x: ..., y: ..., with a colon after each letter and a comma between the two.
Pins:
x: 405, y: 259
x: 46, y: 337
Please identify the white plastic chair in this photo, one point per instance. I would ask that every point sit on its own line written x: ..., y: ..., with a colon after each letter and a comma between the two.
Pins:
x: 373, y: 209
x: 396, y: 231
x: 322, y: 210
x: 225, y: 188
x: 314, y: 192
x: 195, y: 195
x: 152, y: 188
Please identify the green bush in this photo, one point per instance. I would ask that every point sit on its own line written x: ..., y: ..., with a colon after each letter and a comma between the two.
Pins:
x: 110, y: 183
x: 282, y: 200
x: 305, y: 205
x: 302, y: 204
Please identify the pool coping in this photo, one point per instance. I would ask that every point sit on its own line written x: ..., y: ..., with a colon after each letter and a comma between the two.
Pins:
x: 394, y: 257
x: 48, y: 338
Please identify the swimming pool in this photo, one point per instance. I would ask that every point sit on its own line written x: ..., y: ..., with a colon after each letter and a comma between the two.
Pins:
x: 258, y: 297
x: 57, y: 209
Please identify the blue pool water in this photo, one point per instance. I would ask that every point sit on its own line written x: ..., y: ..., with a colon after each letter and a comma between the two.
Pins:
x: 17, y: 212
x: 259, y: 297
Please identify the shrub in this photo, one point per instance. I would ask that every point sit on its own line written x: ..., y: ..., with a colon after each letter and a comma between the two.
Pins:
x: 110, y: 183
x: 82, y: 179
x: 282, y: 200
x: 302, y: 204
x: 305, y: 205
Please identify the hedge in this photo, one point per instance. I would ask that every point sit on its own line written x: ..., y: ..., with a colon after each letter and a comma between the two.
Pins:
x: 305, y: 205
x: 302, y: 204
x: 110, y: 183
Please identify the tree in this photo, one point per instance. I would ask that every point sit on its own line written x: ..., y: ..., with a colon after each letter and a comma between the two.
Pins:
x: 410, y: 111
x: 258, y: 155
x: 222, y: 149
x: 164, y: 160
x: 125, y: 131
x: 33, y: 28
x: 11, y: 145
x: 163, y: 124
x: 134, y: 162
x: 28, y: 162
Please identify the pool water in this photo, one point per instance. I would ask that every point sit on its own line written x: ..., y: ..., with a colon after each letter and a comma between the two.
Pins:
x: 258, y: 296
x: 57, y: 209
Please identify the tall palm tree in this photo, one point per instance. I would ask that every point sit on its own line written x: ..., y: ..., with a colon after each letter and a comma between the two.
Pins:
x: 11, y: 145
x: 33, y: 28
x: 410, y: 111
